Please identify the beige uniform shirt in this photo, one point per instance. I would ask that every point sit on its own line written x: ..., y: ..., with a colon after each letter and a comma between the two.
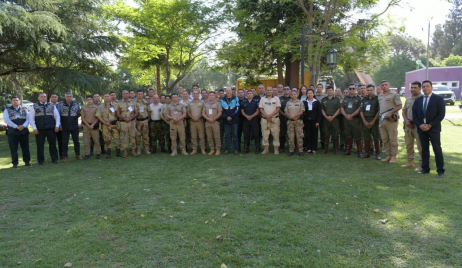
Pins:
x: 269, y: 105
x: 294, y: 108
x: 156, y: 110
x: 108, y: 113
x: 212, y: 109
x: 126, y: 109
x: 176, y: 110
x: 89, y: 114
x: 408, y: 106
x: 143, y: 109
x: 195, y: 108
x: 163, y: 111
x: 389, y: 101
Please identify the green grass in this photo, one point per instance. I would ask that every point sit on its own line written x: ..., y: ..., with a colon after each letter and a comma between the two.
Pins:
x: 316, y: 211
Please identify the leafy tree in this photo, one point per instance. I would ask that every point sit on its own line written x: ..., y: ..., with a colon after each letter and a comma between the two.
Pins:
x: 447, y: 38
x: 406, y: 45
x: 394, y: 69
x: 452, y: 60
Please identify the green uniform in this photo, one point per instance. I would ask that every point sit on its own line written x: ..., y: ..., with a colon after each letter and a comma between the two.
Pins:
x: 166, y: 126
x: 283, y: 131
x: 352, y: 127
x: 370, y: 108
x: 330, y: 107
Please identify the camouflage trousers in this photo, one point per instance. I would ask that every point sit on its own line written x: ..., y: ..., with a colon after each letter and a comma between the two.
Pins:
x: 142, y: 133
x: 127, y: 132
x: 295, y: 129
x: 111, y: 132
x: 156, y: 133
x: 166, y: 133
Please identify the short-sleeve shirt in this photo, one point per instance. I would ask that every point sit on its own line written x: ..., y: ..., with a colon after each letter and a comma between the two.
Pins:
x: 370, y: 106
x: 107, y: 112
x: 212, y: 109
x: 294, y: 108
x: 176, y: 110
x: 284, y: 100
x: 408, y: 106
x: 156, y: 110
x: 330, y: 106
x: 195, y: 108
x: 350, y: 105
x: 163, y: 111
x: 251, y: 107
x: 269, y: 105
x: 143, y: 108
x: 126, y: 108
x: 89, y: 114
x: 389, y: 101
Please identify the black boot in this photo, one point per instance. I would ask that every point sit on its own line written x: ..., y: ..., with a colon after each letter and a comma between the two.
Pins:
x: 257, y: 146
x: 246, y: 145
x: 118, y: 154
x: 108, y: 154
x: 91, y: 150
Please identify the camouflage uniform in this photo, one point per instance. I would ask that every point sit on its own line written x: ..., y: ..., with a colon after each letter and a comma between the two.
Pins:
x: 166, y: 126
x: 108, y: 113
x: 295, y: 127
x: 142, y: 124
x: 127, y: 129
x: 156, y: 127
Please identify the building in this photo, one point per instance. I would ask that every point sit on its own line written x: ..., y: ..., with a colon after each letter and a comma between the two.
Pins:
x: 440, y: 76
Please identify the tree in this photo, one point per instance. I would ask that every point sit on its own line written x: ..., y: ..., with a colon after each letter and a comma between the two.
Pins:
x: 394, y: 69
x: 452, y: 61
x: 447, y: 39
x: 55, y: 44
x: 406, y: 45
x: 169, y: 34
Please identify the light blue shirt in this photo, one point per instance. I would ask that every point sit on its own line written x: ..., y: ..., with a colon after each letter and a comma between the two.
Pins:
x: 6, y: 118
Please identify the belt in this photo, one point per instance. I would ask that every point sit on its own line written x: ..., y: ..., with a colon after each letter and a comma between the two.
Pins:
x: 156, y: 120
x: 142, y: 119
x: 294, y: 120
x: 271, y: 117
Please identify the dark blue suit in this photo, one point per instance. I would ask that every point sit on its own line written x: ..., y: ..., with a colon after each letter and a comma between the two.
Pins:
x: 436, y: 110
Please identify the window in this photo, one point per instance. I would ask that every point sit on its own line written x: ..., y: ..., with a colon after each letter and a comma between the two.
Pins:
x: 455, y: 84
x: 444, y: 83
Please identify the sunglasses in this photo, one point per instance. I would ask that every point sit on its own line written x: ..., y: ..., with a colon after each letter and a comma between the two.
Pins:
x: 351, y: 88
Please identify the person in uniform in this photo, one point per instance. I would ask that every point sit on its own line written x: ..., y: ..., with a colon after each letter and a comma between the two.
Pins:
x: 370, y: 116
x: 90, y: 128
x: 390, y: 104
x: 97, y: 103
x: 250, y: 111
x: 204, y: 96
x: 269, y: 109
x: 17, y: 120
x: 319, y: 96
x: 311, y: 120
x: 330, y: 123
x: 294, y: 110
x: 241, y: 96
x: 155, y: 125
x: 230, y: 116
x: 113, y: 97
x: 132, y: 95
x: 338, y: 94
x: 45, y: 121
x: 127, y: 112
x: 350, y: 110
x: 212, y: 112
x: 107, y: 115
x: 166, y: 124
x: 176, y: 112
x: 410, y: 130
x: 142, y: 123
x: 69, y: 112
x: 196, y: 122
x: 162, y: 99
x: 151, y: 95
x: 59, y: 135
x: 283, y: 117
x: 187, y: 131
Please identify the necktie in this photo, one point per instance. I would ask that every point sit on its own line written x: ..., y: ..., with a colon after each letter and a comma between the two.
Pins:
x: 425, y: 106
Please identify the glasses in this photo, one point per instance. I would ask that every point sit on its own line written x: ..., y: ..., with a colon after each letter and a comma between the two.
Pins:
x: 351, y: 88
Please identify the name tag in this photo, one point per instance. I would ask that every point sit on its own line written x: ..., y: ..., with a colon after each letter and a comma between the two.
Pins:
x: 210, y: 111
x: 141, y: 110
x: 175, y: 112
x: 112, y: 109
x: 269, y: 103
x: 368, y: 107
x: 350, y: 105
x: 130, y: 108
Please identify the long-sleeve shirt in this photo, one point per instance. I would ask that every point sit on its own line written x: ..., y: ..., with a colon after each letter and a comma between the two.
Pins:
x: 6, y: 118
x: 55, y: 115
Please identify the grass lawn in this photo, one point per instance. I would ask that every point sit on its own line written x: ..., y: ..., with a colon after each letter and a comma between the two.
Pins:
x: 244, y: 211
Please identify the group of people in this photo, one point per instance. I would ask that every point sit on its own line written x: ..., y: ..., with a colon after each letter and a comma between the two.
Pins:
x: 360, y: 116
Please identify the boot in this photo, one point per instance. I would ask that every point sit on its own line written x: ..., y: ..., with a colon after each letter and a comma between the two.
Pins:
x: 218, y: 152
x: 103, y: 151
x: 118, y: 154
x: 257, y: 146
x: 322, y: 144
x: 348, y: 147
x: 359, y: 145
x: 325, y: 146
x: 125, y: 154
x: 377, y: 150
x: 387, y: 159
x: 336, y: 147
x: 282, y: 141
x: 146, y: 149
x: 194, y: 152
x: 410, y: 163
x: 266, y: 150
x: 108, y: 154
x: 212, y: 152
x: 134, y: 153
x: 138, y: 150
x: 276, y: 150
x: 393, y: 159
x: 246, y: 145
x: 183, y: 152
x: 173, y: 153
x: 367, y: 152
x: 162, y: 149
x: 154, y: 149
x: 91, y: 150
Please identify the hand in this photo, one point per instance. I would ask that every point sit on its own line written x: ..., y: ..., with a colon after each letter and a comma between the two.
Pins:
x: 369, y: 125
x: 409, y: 124
x: 388, y: 115
x: 56, y: 129
x: 61, y: 128
x: 108, y: 124
x: 349, y: 117
x: 36, y: 131
x: 229, y: 118
x: 424, y: 127
x: 317, y: 125
x: 20, y: 128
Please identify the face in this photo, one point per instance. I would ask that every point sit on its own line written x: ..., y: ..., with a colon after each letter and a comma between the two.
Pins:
x: 415, y: 90
x: 294, y: 95
x: 229, y: 92
x: 360, y: 91
x: 205, y: 95
x: 96, y: 98
x: 132, y: 94
x: 195, y: 88
x: 249, y: 94
x: 151, y: 93
x: 364, y: 89
x: 275, y: 91
x: 196, y: 95
x: 212, y: 96
x: 221, y: 93
x: 68, y: 98
x: 253, y: 90
x: 330, y: 92
x: 42, y: 98
x: 427, y: 88
x: 287, y: 91
x: 113, y: 96
x: 310, y: 94
x: 261, y: 89
x: 155, y: 98
x: 385, y: 86
x: 180, y: 90
x: 319, y: 89
x: 174, y: 98
x: 185, y: 95
x: 370, y: 91
x: 352, y: 91
x: 233, y: 92
x: 107, y: 98
x: 269, y: 92
x: 15, y: 102
x: 168, y: 100
x: 346, y: 93
x: 162, y: 99
x: 125, y: 95
x: 241, y: 94
x: 379, y: 90
x: 54, y: 98
x: 140, y: 95
x: 304, y: 90
x: 89, y: 101
x: 338, y: 92
x: 280, y: 89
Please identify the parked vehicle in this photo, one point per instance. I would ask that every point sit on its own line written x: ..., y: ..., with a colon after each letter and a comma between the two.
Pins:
x: 446, y: 93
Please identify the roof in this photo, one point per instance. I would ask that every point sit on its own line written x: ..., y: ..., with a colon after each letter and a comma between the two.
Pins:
x: 364, y: 78
x: 435, y: 68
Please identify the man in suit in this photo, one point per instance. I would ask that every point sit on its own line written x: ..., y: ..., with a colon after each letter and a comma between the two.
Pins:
x: 428, y: 111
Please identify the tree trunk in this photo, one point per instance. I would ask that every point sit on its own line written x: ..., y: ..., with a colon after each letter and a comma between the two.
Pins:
x: 167, y: 70
x: 280, y: 74
x: 288, y: 68
x: 295, y: 74
x: 159, y: 89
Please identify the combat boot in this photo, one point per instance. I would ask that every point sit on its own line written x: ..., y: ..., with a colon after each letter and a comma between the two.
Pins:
x: 203, y: 152
x: 134, y: 153
x: 393, y: 159
x: 336, y: 147
x: 377, y: 150
x: 138, y: 150
x: 326, y: 146
x: 212, y: 152
x: 367, y: 151
x: 257, y: 146
x: 173, y: 153
x: 125, y: 154
x: 282, y: 144
x: 146, y: 149
x: 387, y: 159
x: 410, y: 163
x: 266, y: 150
x: 349, y: 143
x: 183, y: 152
x: 194, y: 152
x: 276, y: 150
x: 118, y: 154
x: 108, y: 154
x: 218, y: 152
x: 359, y: 145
